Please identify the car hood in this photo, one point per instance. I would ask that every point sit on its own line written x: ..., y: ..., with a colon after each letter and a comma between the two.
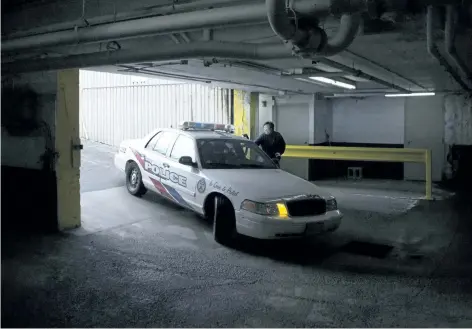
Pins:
x: 263, y: 184
x: 138, y: 142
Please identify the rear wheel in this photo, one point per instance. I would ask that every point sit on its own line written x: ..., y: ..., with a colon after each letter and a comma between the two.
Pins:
x: 134, y: 181
x: 224, y: 221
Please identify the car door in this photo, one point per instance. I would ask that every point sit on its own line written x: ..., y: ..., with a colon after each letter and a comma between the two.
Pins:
x: 142, y: 156
x: 182, y: 180
x: 155, y: 161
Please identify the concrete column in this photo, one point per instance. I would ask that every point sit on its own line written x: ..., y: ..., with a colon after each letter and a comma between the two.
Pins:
x: 67, y: 141
x: 321, y: 119
x: 245, y: 112
x: 312, y: 120
x: 266, y: 111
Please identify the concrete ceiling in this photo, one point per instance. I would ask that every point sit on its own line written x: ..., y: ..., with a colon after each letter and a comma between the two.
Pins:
x: 392, y: 49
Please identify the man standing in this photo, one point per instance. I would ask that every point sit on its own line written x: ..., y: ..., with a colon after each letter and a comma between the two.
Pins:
x: 271, y: 141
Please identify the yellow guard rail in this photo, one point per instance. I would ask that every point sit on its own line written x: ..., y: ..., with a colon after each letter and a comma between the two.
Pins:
x: 366, y: 154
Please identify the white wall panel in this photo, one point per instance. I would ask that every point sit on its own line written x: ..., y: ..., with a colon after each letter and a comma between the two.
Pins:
x: 293, y: 123
x: 458, y: 118
x: 94, y: 79
x: 372, y: 120
x: 110, y: 115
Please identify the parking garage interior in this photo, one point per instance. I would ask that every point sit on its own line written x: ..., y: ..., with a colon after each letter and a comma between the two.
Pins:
x: 79, y: 76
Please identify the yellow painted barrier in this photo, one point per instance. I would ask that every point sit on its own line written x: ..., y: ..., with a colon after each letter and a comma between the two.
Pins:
x: 366, y: 154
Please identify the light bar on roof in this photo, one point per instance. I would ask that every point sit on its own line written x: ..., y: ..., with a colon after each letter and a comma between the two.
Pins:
x: 206, y: 126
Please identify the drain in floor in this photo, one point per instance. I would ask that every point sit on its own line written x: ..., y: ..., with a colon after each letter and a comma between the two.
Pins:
x: 367, y: 249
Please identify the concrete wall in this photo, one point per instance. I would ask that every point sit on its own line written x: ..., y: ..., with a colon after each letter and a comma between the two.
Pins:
x: 266, y: 111
x: 302, y: 120
x: 25, y: 152
x: 412, y: 122
x: 370, y: 120
x: 293, y: 123
x: 424, y: 128
x: 458, y: 117
x: 28, y: 188
x: 322, y: 114
x: 416, y: 122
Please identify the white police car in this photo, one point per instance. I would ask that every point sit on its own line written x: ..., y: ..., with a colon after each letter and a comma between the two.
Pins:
x: 203, y: 167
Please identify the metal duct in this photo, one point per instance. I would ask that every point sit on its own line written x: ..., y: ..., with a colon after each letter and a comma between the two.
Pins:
x: 433, y: 49
x: 241, y: 51
x: 210, y: 18
x: 282, y: 25
x: 313, y: 40
x: 348, y: 29
x: 450, y: 48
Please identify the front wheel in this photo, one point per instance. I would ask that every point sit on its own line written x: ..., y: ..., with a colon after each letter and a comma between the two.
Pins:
x: 224, y: 221
x: 134, y: 181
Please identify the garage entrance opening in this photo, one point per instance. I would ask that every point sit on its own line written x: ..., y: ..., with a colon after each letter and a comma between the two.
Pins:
x: 118, y: 107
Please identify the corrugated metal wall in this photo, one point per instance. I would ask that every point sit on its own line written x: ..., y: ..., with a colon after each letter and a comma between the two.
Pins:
x: 110, y: 115
x: 95, y: 79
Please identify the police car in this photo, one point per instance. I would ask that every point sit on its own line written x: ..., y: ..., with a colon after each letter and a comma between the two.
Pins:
x: 226, y: 178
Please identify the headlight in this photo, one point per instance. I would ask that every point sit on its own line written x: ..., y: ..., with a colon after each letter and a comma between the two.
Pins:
x: 278, y: 209
x: 331, y: 204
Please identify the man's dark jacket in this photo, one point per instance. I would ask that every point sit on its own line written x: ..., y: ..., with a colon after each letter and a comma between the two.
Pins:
x: 271, y: 144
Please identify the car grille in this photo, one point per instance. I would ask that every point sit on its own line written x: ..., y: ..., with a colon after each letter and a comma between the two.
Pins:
x: 306, y: 207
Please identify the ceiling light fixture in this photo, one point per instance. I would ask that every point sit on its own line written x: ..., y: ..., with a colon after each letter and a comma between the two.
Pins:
x: 410, y: 94
x: 334, y: 82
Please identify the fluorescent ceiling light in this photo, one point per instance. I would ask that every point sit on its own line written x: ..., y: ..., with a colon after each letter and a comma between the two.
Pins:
x: 334, y: 82
x: 410, y: 94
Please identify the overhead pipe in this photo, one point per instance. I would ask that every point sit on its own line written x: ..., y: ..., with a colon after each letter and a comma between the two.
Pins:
x: 236, y: 51
x: 240, y: 51
x: 199, y: 79
x: 283, y: 26
x: 449, y: 45
x: 346, y: 95
x: 152, y: 11
x: 433, y: 49
x: 362, y: 59
x: 195, y: 20
x: 313, y: 39
x: 347, y: 32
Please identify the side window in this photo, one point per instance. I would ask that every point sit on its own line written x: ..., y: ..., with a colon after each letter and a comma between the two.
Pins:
x: 247, y: 151
x: 184, y: 146
x: 164, y: 141
x: 152, y: 141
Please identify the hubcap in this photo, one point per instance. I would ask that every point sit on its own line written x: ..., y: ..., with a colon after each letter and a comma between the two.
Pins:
x: 134, y: 178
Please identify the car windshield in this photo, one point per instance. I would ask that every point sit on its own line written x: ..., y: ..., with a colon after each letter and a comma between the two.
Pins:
x: 232, y: 154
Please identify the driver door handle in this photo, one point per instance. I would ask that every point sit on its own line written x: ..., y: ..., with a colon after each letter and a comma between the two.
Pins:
x: 165, y: 165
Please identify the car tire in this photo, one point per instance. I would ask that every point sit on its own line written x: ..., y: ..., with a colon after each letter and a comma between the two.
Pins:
x: 134, y: 181
x: 224, y: 221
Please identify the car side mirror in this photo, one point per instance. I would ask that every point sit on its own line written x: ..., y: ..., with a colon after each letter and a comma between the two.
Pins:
x: 187, y: 161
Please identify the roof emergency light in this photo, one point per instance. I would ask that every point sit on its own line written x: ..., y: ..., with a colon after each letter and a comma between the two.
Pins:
x: 186, y: 125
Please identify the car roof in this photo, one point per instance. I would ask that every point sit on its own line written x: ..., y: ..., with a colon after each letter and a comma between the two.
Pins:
x: 204, y: 134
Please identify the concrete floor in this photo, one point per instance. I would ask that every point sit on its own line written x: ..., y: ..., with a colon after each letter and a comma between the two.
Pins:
x: 147, y: 263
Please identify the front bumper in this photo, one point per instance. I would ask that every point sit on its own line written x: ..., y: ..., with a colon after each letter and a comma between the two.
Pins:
x: 262, y: 227
x: 120, y: 162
